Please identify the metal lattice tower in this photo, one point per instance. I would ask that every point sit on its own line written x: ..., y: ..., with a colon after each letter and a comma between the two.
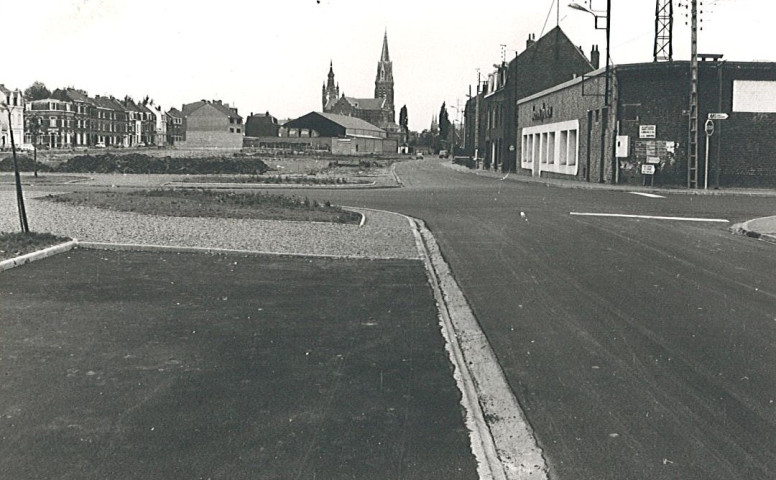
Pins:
x: 664, y: 26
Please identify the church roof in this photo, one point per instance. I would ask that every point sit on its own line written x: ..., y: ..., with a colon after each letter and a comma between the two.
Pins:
x: 366, y: 103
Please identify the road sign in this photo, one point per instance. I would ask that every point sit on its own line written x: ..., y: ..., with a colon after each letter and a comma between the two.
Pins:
x: 647, y: 131
x: 647, y: 169
x: 709, y: 127
x: 718, y: 116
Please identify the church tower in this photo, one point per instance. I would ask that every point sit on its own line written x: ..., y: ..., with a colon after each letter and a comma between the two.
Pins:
x: 330, y: 91
x: 384, y: 81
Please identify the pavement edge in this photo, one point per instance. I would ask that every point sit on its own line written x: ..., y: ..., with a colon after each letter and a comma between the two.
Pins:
x: 37, y: 255
x: 502, y: 440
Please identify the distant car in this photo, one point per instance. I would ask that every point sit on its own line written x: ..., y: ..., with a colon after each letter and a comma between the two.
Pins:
x: 419, y: 155
x: 444, y: 154
x: 99, y: 145
x: 26, y: 147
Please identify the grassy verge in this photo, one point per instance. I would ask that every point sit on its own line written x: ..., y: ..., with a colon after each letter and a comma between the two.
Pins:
x: 206, y: 203
x: 273, y: 179
x: 18, y: 243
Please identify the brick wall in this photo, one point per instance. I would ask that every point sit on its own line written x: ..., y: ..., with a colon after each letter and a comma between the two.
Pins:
x: 741, y: 150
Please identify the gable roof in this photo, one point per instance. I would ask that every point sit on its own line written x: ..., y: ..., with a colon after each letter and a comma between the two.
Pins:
x: 366, y: 103
x: 350, y: 122
x: 174, y: 112
x: 330, y: 124
x: 224, y: 108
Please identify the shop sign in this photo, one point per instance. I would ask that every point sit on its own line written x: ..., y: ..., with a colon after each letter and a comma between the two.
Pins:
x: 647, y: 131
x: 653, y: 160
x: 543, y: 113
x: 647, y: 169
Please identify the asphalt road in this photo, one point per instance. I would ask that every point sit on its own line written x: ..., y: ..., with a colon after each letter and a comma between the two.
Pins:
x: 638, y: 349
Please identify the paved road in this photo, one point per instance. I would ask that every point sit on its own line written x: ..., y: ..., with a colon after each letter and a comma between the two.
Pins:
x: 639, y: 349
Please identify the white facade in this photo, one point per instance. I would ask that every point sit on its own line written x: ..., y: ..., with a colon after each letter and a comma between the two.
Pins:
x: 12, y: 100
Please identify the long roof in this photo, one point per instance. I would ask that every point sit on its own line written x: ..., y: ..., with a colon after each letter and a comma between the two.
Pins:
x: 350, y: 122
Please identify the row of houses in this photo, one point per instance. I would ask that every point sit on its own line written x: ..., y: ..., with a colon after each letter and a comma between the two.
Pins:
x: 554, y: 112
x: 70, y: 118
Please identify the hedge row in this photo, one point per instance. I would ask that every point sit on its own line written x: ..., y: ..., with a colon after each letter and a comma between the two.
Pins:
x: 141, y: 163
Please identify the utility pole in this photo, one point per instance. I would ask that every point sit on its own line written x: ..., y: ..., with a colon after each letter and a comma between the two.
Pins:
x: 692, y: 144
x: 477, y: 121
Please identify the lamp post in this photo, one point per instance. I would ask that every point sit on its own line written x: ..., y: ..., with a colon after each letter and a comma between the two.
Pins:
x: 605, y: 17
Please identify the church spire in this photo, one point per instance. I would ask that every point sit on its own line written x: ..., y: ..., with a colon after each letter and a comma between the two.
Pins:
x: 384, y: 57
x: 384, y: 80
x: 330, y: 90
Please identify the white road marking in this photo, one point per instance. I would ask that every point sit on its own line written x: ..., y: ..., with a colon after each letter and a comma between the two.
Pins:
x: 650, y: 195
x: 649, y: 217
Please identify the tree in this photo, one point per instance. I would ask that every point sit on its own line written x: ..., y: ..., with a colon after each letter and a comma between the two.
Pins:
x: 36, y: 91
x: 444, y: 122
x: 404, y: 122
x: 34, y: 125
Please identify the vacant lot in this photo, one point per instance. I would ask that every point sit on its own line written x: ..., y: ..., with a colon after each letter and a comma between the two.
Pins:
x: 141, y: 365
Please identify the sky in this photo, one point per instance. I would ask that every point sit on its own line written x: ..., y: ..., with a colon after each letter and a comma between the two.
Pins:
x: 263, y: 55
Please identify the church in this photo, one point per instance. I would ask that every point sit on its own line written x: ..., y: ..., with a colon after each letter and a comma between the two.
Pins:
x: 379, y: 111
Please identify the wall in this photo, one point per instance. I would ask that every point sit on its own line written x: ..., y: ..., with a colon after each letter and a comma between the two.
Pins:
x: 572, y: 106
x: 209, y: 139
x: 741, y: 150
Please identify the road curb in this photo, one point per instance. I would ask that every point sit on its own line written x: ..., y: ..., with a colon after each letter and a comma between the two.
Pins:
x: 745, y: 229
x: 37, y: 255
x: 501, y: 438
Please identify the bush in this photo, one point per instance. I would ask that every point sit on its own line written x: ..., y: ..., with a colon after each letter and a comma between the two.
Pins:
x: 141, y: 163
x: 25, y: 164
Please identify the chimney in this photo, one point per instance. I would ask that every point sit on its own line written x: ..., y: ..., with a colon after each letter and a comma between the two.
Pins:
x: 531, y: 40
x: 595, y: 57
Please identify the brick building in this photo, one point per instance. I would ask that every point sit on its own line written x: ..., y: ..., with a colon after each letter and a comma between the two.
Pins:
x: 211, y: 124
x: 562, y: 128
x: 491, y: 117
x: 56, y: 119
x: 261, y: 125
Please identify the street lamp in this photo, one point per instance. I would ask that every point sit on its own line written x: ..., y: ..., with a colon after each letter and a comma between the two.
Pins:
x: 599, y: 16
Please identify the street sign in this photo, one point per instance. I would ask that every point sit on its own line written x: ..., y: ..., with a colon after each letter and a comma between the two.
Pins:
x: 709, y: 127
x: 718, y: 116
x: 647, y: 131
x: 647, y: 169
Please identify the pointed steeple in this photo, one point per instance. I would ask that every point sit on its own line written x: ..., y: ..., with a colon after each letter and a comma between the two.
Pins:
x: 384, y: 57
x: 384, y: 80
x: 330, y: 90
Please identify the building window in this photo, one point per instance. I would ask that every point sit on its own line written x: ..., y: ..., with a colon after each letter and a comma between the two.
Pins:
x: 554, y: 146
x: 231, y: 130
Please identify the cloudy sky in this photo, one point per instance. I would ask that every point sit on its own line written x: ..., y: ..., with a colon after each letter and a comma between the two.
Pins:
x: 263, y: 55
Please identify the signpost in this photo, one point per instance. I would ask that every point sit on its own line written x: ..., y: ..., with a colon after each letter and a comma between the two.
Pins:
x: 648, y: 169
x: 709, y: 132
